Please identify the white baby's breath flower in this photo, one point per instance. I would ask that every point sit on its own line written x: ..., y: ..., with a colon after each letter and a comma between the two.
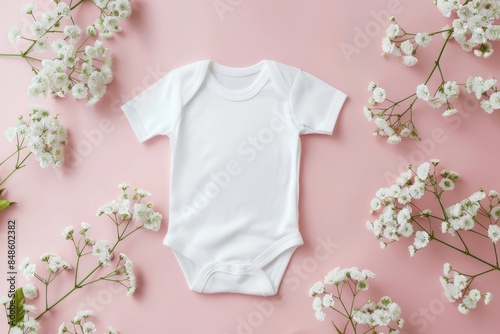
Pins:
x: 449, y: 112
x: 41, y: 45
x: 74, y: 33
x: 392, y: 31
x: 62, y: 328
x: 451, y: 89
x: 368, y: 113
x: 85, y: 226
x: 371, y: 86
x: 484, y: 50
x: 407, y: 48
x: 487, y: 298
x: 462, y: 308
x: 102, y: 251
x: 477, y: 196
x: 317, y: 304
x: 28, y: 268
x: 81, y: 315
x: 423, y: 92
x: 54, y: 262
x: 388, y: 46
x: 142, y: 193
x: 320, y: 315
x: 495, y: 212
x: 14, y: 35
x: 15, y: 330
x: 30, y: 291
x: 328, y: 300
x: 423, y: 171
x: 411, y: 249
x: 101, y: 3
x: 446, y: 184
x: 394, y: 139
x: 495, y: 100
x: 486, y: 106
x: 423, y: 39
x: 410, y: 61
x: 316, y: 289
x: 89, y: 328
x: 112, y: 330
x: 494, y: 233
x: 446, y: 269
x: 379, y: 95
x: 421, y: 239
x: 28, y: 8
x: 68, y: 232
x: 335, y: 276
x: 79, y: 91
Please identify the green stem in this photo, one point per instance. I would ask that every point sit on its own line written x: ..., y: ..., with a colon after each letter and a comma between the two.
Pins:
x: 495, y: 267
x: 16, y: 168
x: 10, y: 156
x: 77, y: 4
x: 10, y: 55
x: 436, y: 63
x: 47, y: 309
x: 77, y: 285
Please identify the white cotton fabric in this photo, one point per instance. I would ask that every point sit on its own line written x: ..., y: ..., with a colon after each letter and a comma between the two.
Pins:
x: 235, y: 153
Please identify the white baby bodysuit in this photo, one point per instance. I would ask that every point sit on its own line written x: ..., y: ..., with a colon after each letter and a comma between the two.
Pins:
x: 235, y: 143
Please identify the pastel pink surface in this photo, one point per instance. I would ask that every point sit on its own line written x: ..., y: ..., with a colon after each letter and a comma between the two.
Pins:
x: 339, y: 173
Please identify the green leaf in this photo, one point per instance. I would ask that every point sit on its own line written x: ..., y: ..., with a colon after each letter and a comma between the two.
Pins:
x: 4, y: 204
x: 18, y: 308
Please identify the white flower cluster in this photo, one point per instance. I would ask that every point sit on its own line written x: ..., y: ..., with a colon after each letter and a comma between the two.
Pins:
x: 481, y: 88
x: 379, y: 314
x: 112, y: 13
x: 30, y: 291
x: 27, y: 268
x: 396, y: 43
x: 446, y: 92
x: 394, y: 131
x: 141, y: 212
x: 58, y: 75
x: 464, y: 215
x: 370, y: 313
x: 84, y: 70
x: 128, y: 269
x: 81, y: 321
x: 474, y: 28
x: 55, y: 262
x: 395, y: 219
x: 102, y: 251
x: 456, y: 287
x: 44, y: 134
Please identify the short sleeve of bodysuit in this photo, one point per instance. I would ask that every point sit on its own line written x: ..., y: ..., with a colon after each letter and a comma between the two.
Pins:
x: 156, y: 111
x: 315, y: 104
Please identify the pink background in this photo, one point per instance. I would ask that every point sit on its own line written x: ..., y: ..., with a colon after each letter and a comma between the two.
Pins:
x: 339, y: 176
